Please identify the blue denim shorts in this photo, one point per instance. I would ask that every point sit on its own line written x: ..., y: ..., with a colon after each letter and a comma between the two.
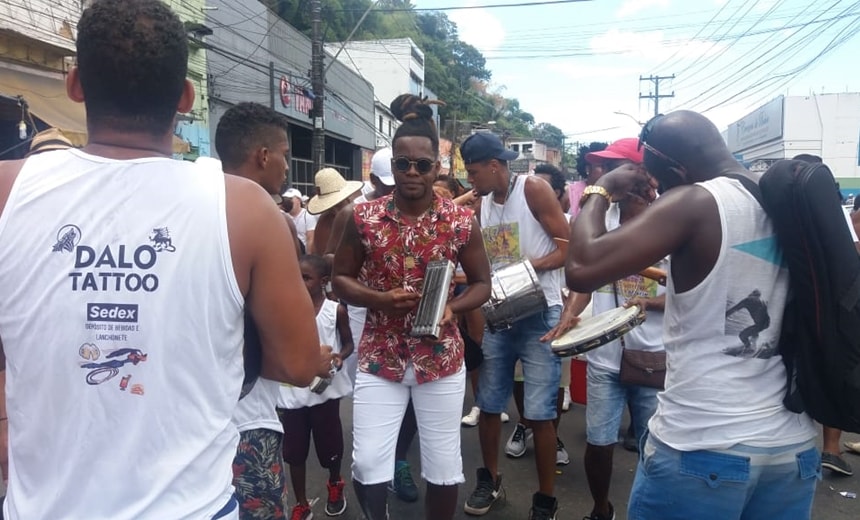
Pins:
x: 741, y: 483
x: 607, y: 397
x: 541, y: 368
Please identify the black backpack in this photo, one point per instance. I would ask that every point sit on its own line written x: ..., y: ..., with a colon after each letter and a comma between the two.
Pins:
x: 820, y: 337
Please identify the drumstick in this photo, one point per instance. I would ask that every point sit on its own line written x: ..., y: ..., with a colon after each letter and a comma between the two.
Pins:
x: 658, y: 275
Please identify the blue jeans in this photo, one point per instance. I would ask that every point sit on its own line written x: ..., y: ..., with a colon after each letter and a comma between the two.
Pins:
x: 541, y: 368
x: 607, y: 398
x: 741, y: 483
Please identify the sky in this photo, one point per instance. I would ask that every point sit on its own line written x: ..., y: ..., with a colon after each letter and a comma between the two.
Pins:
x: 576, y: 64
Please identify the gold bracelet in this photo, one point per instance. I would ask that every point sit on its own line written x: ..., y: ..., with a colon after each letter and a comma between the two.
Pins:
x: 592, y: 190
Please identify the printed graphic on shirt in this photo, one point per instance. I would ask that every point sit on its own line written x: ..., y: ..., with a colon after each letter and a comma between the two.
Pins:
x: 161, y: 240
x: 502, y: 243
x: 67, y: 238
x: 634, y: 286
x: 110, y: 352
x: 114, y: 267
x: 747, y: 316
x: 100, y: 372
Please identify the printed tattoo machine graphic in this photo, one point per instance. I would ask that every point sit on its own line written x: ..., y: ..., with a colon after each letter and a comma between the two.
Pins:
x: 104, y: 371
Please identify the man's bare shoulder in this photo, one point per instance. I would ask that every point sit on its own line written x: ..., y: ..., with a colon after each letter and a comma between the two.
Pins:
x: 9, y: 171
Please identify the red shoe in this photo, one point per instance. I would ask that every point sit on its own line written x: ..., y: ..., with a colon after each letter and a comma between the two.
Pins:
x: 302, y: 512
x: 336, y: 503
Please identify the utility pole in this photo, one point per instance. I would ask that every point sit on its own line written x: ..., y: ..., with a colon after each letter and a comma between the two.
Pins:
x: 318, y: 86
x: 656, y: 96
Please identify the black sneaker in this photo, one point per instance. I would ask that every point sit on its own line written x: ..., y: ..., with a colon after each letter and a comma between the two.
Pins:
x: 595, y: 516
x: 543, y: 507
x: 834, y: 462
x: 486, y: 492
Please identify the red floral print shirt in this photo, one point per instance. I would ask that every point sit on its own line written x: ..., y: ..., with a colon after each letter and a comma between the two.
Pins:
x: 397, y: 250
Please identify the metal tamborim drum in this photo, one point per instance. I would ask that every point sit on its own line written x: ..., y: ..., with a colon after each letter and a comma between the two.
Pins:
x: 598, y: 330
x: 516, y: 294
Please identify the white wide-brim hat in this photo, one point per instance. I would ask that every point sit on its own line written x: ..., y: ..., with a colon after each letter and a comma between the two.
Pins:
x: 332, y: 189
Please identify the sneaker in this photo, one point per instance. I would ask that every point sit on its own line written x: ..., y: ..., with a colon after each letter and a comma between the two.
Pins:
x: 516, y: 445
x: 471, y: 418
x: 595, y: 516
x: 561, y: 456
x: 565, y: 403
x: 302, y: 512
x: 486, y: 492
x: 834, y: 462
x: 853, y: 447
x: 505, y: 417
x: 543, y: 507
x: 336, y: 503
x: 403, y: 484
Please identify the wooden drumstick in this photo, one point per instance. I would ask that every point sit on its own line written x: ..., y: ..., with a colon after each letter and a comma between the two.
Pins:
x: 658, y: 275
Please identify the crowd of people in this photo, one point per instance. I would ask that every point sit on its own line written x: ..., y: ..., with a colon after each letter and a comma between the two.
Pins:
x: 146, y: 279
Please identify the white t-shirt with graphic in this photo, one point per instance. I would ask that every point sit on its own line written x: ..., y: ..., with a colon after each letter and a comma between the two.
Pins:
x: 726, y: 380
x: 122, y: 324
x: 647, y: 336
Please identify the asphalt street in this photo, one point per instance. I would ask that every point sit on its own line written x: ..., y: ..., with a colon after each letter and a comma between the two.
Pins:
x: 519, y: 478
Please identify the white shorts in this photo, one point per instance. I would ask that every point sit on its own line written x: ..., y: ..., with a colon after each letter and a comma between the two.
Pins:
x: 378, y: 408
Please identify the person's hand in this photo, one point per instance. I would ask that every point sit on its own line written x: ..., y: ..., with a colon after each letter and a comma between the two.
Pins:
x: 325, y: 361
x: 466, y: 199
x: 400, y: 301
x: 565, y: 323
x: 447, y: 316
x: 643, y: 303
x: 337, y: 360
x: 629, y: 180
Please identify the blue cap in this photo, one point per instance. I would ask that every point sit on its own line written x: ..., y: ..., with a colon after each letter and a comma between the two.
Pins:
x: 483, y: 146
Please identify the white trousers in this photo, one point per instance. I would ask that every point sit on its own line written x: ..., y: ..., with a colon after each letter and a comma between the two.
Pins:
x: 378, y: 408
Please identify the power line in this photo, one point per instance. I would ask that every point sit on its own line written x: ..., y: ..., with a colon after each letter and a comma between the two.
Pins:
x: 463, y: 7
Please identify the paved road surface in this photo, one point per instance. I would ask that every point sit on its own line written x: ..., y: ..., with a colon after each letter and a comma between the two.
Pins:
x: 571, y: 487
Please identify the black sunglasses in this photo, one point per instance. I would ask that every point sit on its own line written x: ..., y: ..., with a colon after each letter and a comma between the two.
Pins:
x: 422, y: 166
x: 643, y: 143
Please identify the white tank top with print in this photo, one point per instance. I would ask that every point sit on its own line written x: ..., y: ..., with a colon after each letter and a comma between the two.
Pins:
x: 122, y: 324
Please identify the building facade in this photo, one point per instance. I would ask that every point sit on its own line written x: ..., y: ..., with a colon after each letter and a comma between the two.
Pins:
x: 37, y: 40
x: 253, y: 55
x: 37, y: 47
x: 532, y: 153
x: 826, y: 125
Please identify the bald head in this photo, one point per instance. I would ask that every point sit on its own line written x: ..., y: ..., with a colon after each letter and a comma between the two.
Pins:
x: 692, y: 147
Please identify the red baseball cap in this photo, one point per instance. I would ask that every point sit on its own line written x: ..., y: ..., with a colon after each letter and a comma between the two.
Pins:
x: 626, y: 148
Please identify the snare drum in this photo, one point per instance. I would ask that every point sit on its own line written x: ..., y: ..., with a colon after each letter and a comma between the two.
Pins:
x: 516, y: 294
x: 598, y: 330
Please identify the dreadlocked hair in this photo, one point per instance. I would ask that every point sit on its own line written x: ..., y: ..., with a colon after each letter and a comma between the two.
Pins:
x: 416, y: 116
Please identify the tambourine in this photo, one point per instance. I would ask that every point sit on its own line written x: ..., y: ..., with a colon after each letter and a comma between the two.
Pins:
x: 596, y: 331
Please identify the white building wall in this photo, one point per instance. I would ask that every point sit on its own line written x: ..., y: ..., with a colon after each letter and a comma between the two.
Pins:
x: 826, y: 125
x: 386, y: 64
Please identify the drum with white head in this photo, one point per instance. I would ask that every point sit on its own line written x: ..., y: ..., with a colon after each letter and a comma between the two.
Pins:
x: 598, y: 330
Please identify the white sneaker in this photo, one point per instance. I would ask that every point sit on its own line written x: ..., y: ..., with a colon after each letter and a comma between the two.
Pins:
x: 516, y: 445
x: 471, y: 419
x: 561, y: 456
x: 505, y: 417
x: 565, y: 405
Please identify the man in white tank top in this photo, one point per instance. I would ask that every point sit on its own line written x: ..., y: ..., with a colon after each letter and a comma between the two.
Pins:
x: 252, y: 141
x: 130, y: 272
x: 520, y: 219
x: 721, y: 445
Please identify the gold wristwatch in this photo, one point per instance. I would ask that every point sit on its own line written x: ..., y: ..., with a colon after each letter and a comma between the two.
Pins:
x: 592, y: 190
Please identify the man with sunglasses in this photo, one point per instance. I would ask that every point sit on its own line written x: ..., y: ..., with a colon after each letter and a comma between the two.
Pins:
x: 521, y: 219
x: 381, y: 264
x: 721, y: 444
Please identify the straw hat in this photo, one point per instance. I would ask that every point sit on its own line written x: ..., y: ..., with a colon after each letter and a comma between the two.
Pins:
x: 47, y: 140
x: 332, y: 189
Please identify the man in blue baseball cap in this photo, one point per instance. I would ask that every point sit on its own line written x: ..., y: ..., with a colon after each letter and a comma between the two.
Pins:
x: 520, y: 220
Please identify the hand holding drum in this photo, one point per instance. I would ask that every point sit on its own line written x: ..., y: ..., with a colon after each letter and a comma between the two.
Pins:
x: 597, y: 331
